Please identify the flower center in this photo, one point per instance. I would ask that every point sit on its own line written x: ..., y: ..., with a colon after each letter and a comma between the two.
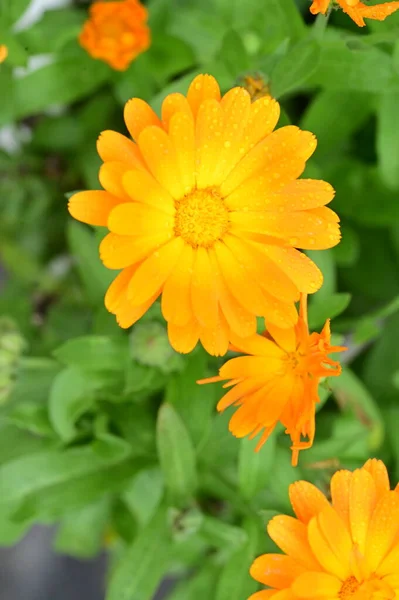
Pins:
x: 201, y: 217
x: 349, y: 587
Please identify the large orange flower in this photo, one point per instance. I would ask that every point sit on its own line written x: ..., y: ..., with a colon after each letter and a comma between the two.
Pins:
x: 356, y: 10
x: 278, y: 381
x: 205, y: 208
x: 116, y: 32
x: 344, y: 550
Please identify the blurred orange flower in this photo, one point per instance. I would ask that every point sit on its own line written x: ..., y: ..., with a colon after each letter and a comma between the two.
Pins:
x: 357, y: 10
x: 206, y: 209
x: 278, y: 381
x: 116, y: 32
x: 344, y: 550
x: 3, y: 53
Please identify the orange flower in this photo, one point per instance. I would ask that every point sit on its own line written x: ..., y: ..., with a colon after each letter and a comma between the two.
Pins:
x: 357, y: 10
x: 116, y: 32
x: 3, y: 53
x: 278, y: 382
x: 344, y: 550
x: 205, y: 209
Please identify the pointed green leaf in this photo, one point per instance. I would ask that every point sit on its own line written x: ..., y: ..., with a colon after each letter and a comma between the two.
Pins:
x: 254, y: 467
x: 295, y: 67
x: 176, y: 454
x: 388, y: 139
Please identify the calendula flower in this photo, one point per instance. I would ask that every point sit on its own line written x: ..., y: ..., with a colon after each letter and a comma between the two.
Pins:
x: 344, y: 550
x: 278, y: 381
x: 3, y: 53
x: 205, y: 208
x: 357, y: 10
x: 116, y: 32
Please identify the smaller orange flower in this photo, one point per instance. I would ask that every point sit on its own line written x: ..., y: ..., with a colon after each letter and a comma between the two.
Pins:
x: 3, y: 53
x: 116, y: 32
x: 278, y: 381
x: 356, y: 10
x: 344, y: 550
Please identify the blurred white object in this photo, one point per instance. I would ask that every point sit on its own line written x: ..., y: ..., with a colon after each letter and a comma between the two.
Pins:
x: 35, y: 10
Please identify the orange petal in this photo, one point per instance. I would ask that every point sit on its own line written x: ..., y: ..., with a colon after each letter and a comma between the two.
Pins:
x: 127, y: 314
x: 303, y: 194
x: 262, y: 269
x: 307, y: 500
x: 250, y: 366
x: 139, y: 115
x: 378, y: 12
x: 203, y: 87
x: 340, y: 493
x: 209, y: 138
x: 302, y: 229
x: 263, y: 117
x: 240, y: 390
x: 133, y: 218
x: 203, y: 291
x: 383, y: 530
x: 325, y: 555
x: 263, y: 595
x: 215, y: 339
x: 160, y: 156
x: 183, y: 339
x: 362, y: 499
x: 92, y: 207
x: 174, y: 103
x: 142, y: 187
x: 118, y: 288
x: 275, y: 570
x: 257, y: 345
x: 300, y: 269
x: 319, y: 6
x: 244, y: 289
x: 241, y: 322
x: 281, y: 157
x: 153, y: 272
x: 316, y: 585
x: 112, y: 146
x: 335, y: 532
x: 379, y: 473
x: 285, y: 338
x: 236, y: 106
x: 111, y: 175
x: 181, y: 133
x: 117, y: 251
x: 176, y: 295
x: 291, y: 536
x: 390, y: 563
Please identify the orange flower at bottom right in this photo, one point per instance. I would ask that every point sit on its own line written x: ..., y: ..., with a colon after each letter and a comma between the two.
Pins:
x: 344, y: 550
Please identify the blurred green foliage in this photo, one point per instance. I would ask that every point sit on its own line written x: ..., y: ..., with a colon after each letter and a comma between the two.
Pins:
x: 106, y: 432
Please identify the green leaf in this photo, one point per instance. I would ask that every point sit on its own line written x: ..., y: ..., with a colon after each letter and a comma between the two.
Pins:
x: 30, y: 417
x: 365, y: 70
x: 200, y: 585
x: 81, y: 532
x: 233, y: 53
x: 7, y: 113
x: 95, y: 277
x: 94, y: 352
x: 55, y: 501
x: 235, y: 581
x: 70, y: 397
x: 334, y: 116
x: 11, y: 11
x: 350, y: 391
x: 176, y: 454
x: 27, y: 475
x: 325, y: 261
x: 295, y: 67
x: 139, y: 572
x: 381, y: 363
x: 284, y: 15
x: 388, y: 139
x: 196, y: 414
x: 220, y: 534
x: 61, y: 82
x: 52, y: 31
x: 327, y: 308
x: 254, y: 467
x: 144, y: 494
x: 10, y: 532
